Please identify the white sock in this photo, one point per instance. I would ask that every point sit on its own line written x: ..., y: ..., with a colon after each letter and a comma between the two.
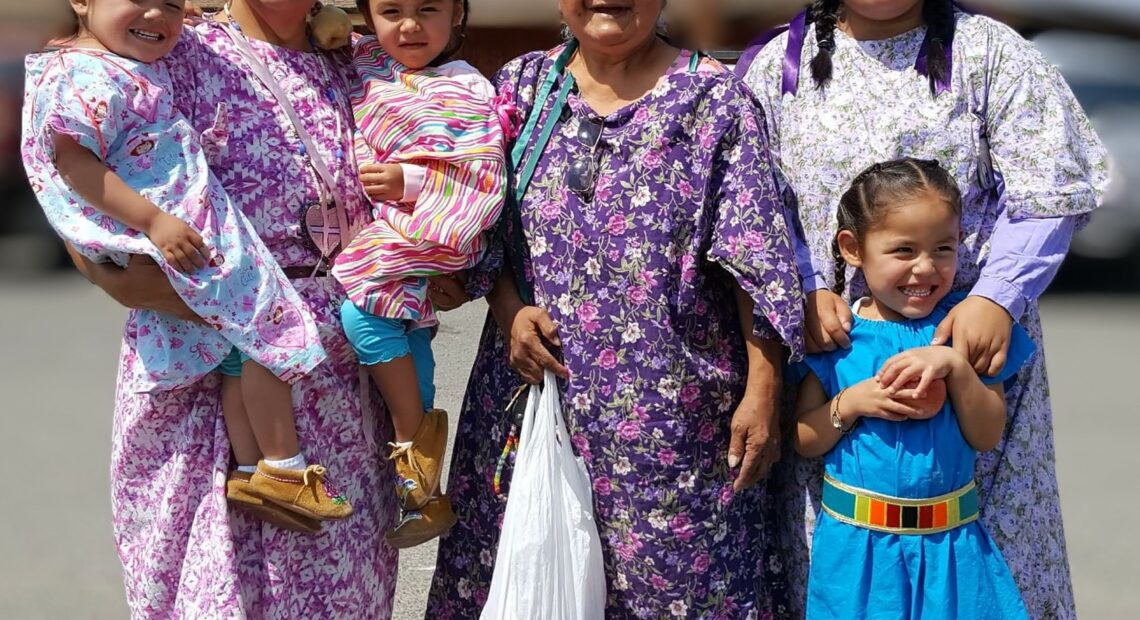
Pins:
x: 296, y: 462
x: 249, y: 469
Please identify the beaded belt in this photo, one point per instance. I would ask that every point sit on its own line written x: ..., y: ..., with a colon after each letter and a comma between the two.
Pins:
x: 896, y: 515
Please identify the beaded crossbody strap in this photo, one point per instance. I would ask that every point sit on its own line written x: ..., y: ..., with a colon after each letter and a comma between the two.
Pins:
x: 341, y: 227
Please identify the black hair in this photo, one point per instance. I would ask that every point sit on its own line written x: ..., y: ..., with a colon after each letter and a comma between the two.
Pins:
x: 457, y: 36
x: 939, y: 18
x: 877, y: 188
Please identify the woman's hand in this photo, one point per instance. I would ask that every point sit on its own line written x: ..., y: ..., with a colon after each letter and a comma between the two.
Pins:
x: 756, y: 435
x: 383, y: 182
x: 448, y: 292
x: 531, y: 329
x: 142, y: 285
x: 827, y: 319
x: 980, y: 330
x: 920, y: 367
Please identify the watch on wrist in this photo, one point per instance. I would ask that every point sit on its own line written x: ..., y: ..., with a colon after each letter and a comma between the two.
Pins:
x: 836, y: 421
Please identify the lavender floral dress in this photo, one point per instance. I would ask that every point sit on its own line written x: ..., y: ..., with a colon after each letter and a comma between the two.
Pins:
x: 1051, y: 165
x: 640, y: 281
x: 184, y: 554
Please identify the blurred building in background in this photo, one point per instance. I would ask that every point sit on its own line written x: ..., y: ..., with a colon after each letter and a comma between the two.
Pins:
x: 1095, y: 43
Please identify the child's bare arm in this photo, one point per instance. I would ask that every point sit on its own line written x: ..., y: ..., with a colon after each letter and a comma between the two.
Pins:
x: 816, y: 433
x: 106, y: 191
x: 980, y: 408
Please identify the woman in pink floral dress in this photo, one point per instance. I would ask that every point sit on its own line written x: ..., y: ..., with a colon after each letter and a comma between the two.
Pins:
x: 184, y: 554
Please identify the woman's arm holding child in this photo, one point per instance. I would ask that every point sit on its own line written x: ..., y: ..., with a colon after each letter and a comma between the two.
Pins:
x: 980, y: 408
x: 106, y: 191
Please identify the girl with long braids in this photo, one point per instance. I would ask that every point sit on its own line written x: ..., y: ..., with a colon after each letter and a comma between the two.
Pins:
x: 858, y: 81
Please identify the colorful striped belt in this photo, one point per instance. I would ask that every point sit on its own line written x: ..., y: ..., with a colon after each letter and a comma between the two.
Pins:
x: 896, y: 515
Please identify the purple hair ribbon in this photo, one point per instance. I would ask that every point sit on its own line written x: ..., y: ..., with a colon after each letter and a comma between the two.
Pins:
x: 793, y: 54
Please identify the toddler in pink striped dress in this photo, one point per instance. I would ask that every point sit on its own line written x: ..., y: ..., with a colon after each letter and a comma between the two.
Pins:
x: 434, y: 127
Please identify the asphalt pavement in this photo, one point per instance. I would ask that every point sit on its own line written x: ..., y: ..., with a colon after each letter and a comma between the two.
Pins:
x: 59, y: 338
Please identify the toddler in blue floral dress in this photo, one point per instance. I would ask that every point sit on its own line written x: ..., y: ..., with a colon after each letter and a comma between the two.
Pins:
x: 898, y: 421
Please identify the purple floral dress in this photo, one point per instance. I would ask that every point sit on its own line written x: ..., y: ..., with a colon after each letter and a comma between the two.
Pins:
x: 1051, y: 166
x: 640, y: 281
x: 184, y: 554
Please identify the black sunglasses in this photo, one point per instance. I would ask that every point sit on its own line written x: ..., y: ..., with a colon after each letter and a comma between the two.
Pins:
x: 582, y: 174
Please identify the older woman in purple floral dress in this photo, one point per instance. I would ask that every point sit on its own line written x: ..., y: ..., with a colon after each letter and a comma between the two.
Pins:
x: 184, y: 554
x: 661, y: 265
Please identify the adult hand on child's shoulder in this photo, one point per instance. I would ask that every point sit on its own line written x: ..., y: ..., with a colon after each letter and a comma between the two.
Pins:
x: 827, y: 321
x: 383, y: 182
x: 979, y: 329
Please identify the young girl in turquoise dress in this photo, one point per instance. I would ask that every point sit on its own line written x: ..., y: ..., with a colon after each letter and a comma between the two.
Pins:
x: 899, y: 421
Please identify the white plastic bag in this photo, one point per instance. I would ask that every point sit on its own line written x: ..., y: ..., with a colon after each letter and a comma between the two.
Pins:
x: 549, y: 562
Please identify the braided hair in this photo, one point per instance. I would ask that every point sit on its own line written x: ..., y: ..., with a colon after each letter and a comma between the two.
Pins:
x: 825, y: 15
x: 878, y: 188
x: 939, y: 18
x: 457, y: 37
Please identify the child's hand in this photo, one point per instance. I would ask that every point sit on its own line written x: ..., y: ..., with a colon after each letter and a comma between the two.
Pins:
x: 867, y: 399
x: 827, y: 319
x: 929, y: 404
x: 383, y: 181
x: 923, y: 365
x: 979, y: 329
x: 179, y: 243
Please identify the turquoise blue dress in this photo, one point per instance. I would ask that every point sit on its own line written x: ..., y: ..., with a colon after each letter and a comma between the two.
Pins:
x: 860, y: 573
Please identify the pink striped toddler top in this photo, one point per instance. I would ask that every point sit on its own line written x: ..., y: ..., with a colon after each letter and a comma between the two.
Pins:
x: 442, y: 124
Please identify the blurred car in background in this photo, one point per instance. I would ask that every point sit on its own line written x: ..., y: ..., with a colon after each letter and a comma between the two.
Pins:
x: 1101, y: 71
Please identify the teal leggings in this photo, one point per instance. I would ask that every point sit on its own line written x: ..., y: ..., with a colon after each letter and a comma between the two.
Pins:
x: 378, y: 340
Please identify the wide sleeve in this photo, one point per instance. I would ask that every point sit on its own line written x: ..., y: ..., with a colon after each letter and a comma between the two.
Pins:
x: 78, y: 97
x: 764, y: 79
x: 749, y: 233
x: 1049, y: 160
